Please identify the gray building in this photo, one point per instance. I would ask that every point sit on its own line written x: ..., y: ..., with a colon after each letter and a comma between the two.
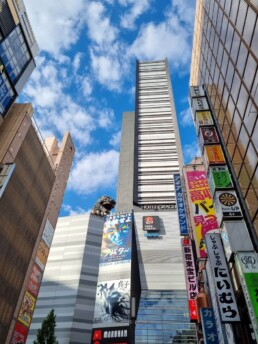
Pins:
x: 75, y: 272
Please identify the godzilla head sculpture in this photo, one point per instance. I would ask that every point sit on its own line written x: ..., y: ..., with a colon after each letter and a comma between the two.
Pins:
x: 103, y: 206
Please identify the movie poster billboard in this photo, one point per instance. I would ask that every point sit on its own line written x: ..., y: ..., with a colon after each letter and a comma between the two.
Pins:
x: 34, y: 281
x: 190, y: 276
x: 27, y: 309
x: 20, y: 334
x: 180, y: 205
x: 42, y: 254
x: 116, y: 240
x: 224, y: 290
x: 247, y: 267
x: 112, y: 305
x: 202, y: 206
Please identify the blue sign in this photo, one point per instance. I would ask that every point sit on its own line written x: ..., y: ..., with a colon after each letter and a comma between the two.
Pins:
x: 180, y: 205
x: 209, y: 326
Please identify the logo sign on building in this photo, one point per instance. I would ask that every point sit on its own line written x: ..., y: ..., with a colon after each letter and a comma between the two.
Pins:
x: 117, y: 239
x: 214, y: 154
x: 219, y: 178
x: 191, y: 281
x: 34, y: 281
x: 247, y: 267
x: 48, y: 233
x: 111, y: 335
x: 42, y: 254
x: 196, y: 91
x: 20, y: 334
x: 150, y: 223
x: 202, y: 207
x: 27, y: 309
x: 209, y: 326
x: 112, y: 305
x: 227, y: 205
x: 180, y: 205
x: 208, y: 135
x: 223, y: 286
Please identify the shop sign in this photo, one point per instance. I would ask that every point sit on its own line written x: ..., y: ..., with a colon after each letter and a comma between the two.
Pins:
x: 150, y: 223
x: 48, y: 233
x: 247, y: 267
x: 196, y: 91
x: 110, y: 335
x: 42, y: 254
x: 191, y: 280
x: 158, y: 206
x: 20, y: 334
x: 34, y: 281
x: 180, y: 205
x: 200, y: 104
x: 214, y: 154
x: 209, y: 326
x: 227, y: 205
x: 203, y: 118
x: 208, y: 135
x: 223, y: 286
x: 219, y: 178
x: 27, y: 309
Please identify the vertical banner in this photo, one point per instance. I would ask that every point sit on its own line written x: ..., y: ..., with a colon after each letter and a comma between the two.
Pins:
x: 247, y: 267
x: 190, y: 275
x: 209, y: 326
x: 202, y: 206
x: 180, y: 205
x: 223, y: 286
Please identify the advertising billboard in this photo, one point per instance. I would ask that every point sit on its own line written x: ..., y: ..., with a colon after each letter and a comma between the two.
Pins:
x: 109, y: 335
x: 208, y: 135
x: 203, y: 118
x: 180, y: 205
x: 190, y: 276
x: 219, y: 178
x: 150, y: 223
x: 42, y: 254
x: 117, y: 239
x: 224, y: 291
x: 112, y: 305
x: 202, y: 206
x: 247, y: 267
x: 34, y: 281
x: 227, y: 205
x: 20, y: 334
x: 27, y: 309
x: 209, y: 326
x: 214, y: 154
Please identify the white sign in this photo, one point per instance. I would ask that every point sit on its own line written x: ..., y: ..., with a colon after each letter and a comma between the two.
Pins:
x: 48, y: 233
x: 227, y: 205
x: 200, y: 104
x: 224, y: 291
x: 196, y: 91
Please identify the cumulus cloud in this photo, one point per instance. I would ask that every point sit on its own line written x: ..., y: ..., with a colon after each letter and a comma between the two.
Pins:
x: 115, y: 140
x: 137, y: 8
x: 185, y: 117
x: 190, y: 151
x: 93, y: 171
x: 71, y: 211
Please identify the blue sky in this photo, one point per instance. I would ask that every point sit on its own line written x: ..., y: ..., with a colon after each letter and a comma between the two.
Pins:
x: 85, y: 79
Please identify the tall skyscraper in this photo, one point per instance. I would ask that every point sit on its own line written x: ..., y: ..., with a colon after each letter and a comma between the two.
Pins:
x: 225, y: 60
x: 32, y: 184
x: 129, y: 285
x: 18, y: 49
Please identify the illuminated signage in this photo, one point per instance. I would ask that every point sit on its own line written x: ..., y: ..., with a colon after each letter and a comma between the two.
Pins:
x: 209, y: 326
x: 219, y: 178
x: 203, y: 118
x: 191, y: 280
x: 214, y: 154
x: 208, y: 135
x: 200, y: 104
x: 227, y: 205
x: 111, y: 335
x: 202, y: 207
x: 180, y: 205
x: 247, y: 267
x: 223, y: 286
x: 150, y: 223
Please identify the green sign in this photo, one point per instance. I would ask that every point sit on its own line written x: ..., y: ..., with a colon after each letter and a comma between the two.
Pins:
x: 219, y: 177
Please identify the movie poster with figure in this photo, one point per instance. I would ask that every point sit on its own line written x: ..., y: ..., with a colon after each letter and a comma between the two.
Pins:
x: 117, y: 239
x: 112, y: 305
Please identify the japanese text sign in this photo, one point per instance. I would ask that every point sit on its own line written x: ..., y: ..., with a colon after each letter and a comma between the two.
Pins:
x: 209, y: 326
x: 196, y: 91
x: 214, y: 154
x: 190, y: 275
x: 150, y: 223
x: 48, y: 233
x: 180, y: 205
x: 202, y: 206
x: 247, y: 267
x: 27, y: 309
x: 219, y: 177
x: 223, y: 286
x: 204, y: 118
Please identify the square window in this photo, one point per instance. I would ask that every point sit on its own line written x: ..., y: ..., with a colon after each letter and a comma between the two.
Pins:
x: 234, y: 9
x: 241, y: 16
x: 249, y: 25
x: 242, y: 56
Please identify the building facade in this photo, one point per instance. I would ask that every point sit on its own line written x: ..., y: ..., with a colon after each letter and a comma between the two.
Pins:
x: 31, y: 192
x: 18, y: 49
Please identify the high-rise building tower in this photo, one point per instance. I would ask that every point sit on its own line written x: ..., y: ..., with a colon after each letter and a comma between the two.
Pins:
x: 32, y: 184
x: 18, y: 49
x: 137, y: 292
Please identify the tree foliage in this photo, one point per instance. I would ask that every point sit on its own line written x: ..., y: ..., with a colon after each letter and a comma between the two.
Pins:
x: 46, y: 334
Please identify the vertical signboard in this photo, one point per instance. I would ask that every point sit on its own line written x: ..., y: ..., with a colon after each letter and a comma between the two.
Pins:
x: 219, y: 178
x: 223, y: 286
x: 34, y: 281
x: 180, y: 205
x: 27, y: 309
x: 209, y: 326
x: 20, y: 334
x: 190, y: 275
x: 214, y: 155
x: 247, y: 267
x: 202, y: 206
x: 227, y: 205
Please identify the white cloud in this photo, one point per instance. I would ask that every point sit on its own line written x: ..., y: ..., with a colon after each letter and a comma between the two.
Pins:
x: 115, y: 140
x: 86, y: 85
x: 190, y: 151
x: 56, y: 24
x: 71, y: 211
x: 106, y: 118
x: 138, y: 7
x: 94, y: 171
x: 185, y: 117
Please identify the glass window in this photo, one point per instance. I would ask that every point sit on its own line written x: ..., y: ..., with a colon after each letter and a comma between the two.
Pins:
x: 235, y: 47
x: 241, y: 61
x: 220, y: 52
x: 244, y: 180
x: 229, y: 75
x: 241, y: 16
x: 236, y: 124
x: 249, y: 25
x: 251, y: 66
x: 243, y: 139
x: 250, y: 159
x: 242, y: 100
x: 235, y: 86
x: 254, y: 44
x: 216, y: 44
x: 255, y: 136
x: 219, y: 21
x: 251, y: 201
x: 227, y: 6
x: 224, y: 64
x: 237, y: 161
x: 229, y: 37
x: 254, y: 90
x: 230, y: 108
x: 224, y: 28
x: 234, y: 9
